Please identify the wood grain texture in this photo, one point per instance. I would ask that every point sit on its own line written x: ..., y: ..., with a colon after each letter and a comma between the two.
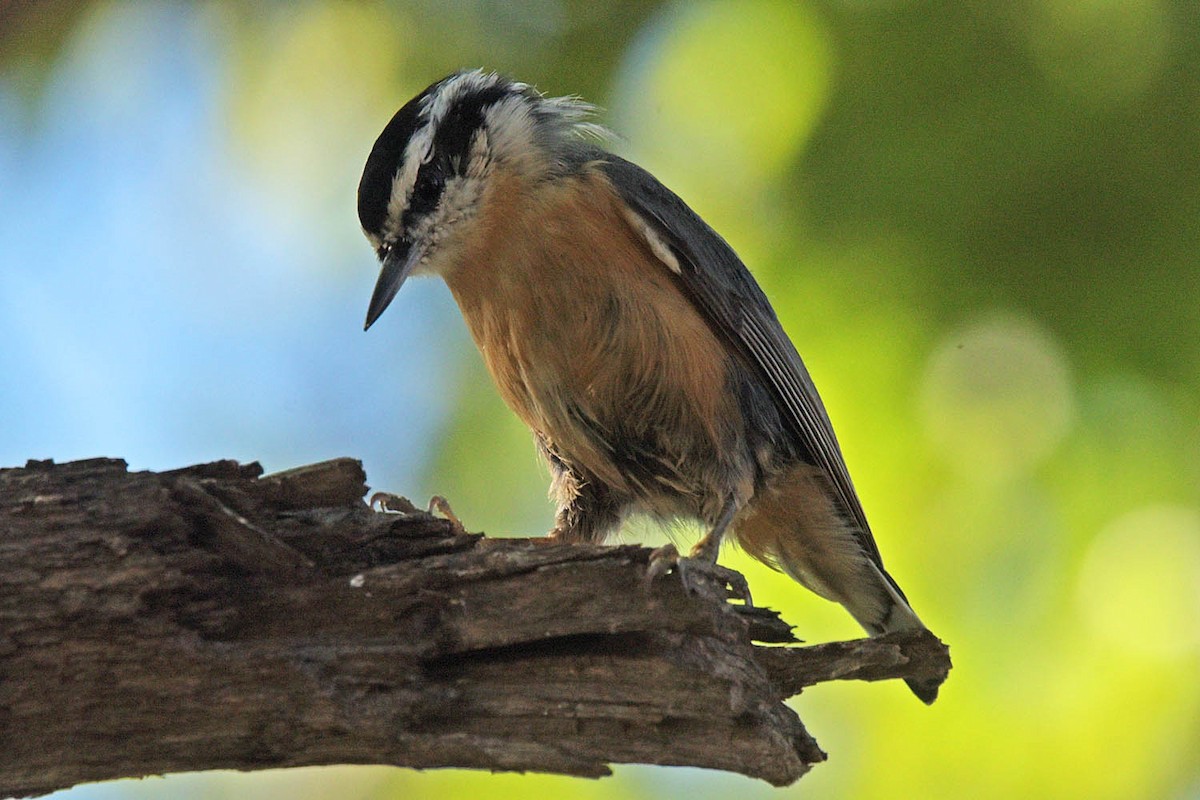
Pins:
x: 211, y: 617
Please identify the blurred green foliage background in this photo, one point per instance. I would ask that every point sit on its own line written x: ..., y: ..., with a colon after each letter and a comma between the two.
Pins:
x: 978, y: 220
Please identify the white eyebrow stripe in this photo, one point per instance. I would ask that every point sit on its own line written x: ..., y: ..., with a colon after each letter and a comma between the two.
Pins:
x: 419, y: 148
x: 465, y: 83
x: 511, y: 128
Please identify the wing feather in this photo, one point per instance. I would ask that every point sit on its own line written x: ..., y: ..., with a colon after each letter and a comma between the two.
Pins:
x: 718, y: 283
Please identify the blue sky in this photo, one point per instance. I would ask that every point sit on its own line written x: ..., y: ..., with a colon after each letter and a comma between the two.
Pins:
x: 160, y: 303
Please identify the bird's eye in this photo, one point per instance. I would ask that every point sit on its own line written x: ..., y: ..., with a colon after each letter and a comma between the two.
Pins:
x: 430, y: 182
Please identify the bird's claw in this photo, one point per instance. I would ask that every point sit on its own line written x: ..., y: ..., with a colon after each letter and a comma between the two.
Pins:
x: 395, y: 504
x: 442, y: 506
x: 662, y: 560
x: 694, y: 571
x: 390, y: 503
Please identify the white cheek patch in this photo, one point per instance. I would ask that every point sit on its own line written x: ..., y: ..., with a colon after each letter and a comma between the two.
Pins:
x: 510, y: 124
x: 459, y: 202
x: 479, y: 160
x: 661, y: 250
x: 533, y: 133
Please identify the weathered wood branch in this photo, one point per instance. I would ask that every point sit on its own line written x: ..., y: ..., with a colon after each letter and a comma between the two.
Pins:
x: 211, y: 618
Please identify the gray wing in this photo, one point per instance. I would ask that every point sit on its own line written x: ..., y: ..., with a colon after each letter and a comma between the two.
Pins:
x: 718, y: 283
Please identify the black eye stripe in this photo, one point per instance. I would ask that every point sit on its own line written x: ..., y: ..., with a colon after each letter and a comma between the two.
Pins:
x: 452, y: 141
x: 431, y: 181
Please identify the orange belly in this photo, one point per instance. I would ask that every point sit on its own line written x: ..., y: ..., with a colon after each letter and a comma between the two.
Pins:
x: 593, y: 345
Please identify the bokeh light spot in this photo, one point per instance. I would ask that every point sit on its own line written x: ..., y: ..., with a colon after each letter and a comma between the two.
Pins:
x: 734, y: 88
x: 1139, y: 586
x: 997, y: 398
x: 318, y: 84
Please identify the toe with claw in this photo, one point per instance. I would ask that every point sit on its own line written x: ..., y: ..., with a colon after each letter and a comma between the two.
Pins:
x: 391, y: 503
x: 442, y: 506
x: 695, y: 570
x: 395, y: 504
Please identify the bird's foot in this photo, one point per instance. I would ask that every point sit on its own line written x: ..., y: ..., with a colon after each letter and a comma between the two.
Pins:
x: 395, y: 504
x: 391, y: 503
x: 694, y: 571
x: 442, y: 506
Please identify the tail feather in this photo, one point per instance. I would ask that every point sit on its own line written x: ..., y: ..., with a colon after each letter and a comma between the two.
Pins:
x: 797, y: 529
x: 881, y: 609
x: 901, y: 617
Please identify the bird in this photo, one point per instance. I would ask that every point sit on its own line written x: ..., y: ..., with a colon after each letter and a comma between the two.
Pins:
x: 625, y: 333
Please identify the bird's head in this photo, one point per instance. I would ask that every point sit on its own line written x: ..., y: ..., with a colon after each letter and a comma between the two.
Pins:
x: 428, y: 176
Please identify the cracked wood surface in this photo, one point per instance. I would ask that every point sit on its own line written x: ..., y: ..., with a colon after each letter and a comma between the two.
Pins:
x: 213, y: 618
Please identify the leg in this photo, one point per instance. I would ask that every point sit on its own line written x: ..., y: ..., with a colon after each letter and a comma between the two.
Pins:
x: 586, y: 510
x: 701, y: 564
x: 709, y: 546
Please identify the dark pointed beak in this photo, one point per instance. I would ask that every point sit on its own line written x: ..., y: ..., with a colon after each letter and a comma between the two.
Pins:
x: 398, y: 264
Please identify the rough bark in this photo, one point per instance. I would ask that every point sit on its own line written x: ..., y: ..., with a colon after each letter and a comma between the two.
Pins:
x: 210, y: 618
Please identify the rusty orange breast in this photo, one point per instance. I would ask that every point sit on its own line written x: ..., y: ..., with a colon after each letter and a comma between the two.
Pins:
x: 583, y: 328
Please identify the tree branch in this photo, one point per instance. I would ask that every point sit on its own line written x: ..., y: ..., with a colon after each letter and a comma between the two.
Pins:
x: 210, y: 618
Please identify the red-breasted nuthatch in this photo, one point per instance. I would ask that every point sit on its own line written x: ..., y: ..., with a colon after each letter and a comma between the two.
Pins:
x: 626, y: 334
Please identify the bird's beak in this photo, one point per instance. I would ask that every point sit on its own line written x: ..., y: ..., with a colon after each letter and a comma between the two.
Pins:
x: 397, y: 266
